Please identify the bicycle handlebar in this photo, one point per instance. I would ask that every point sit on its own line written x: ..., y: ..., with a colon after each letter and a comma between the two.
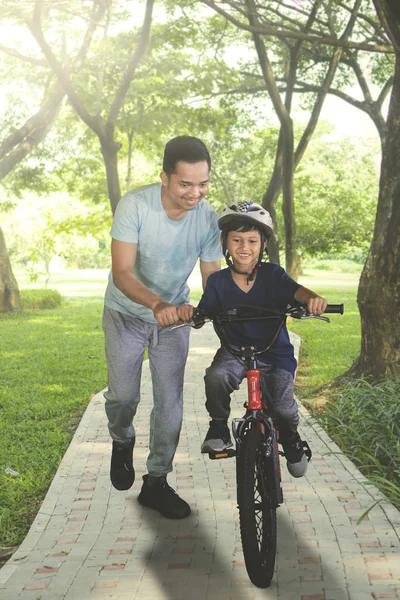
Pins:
x: 335, y: 308
x: 230, y: 315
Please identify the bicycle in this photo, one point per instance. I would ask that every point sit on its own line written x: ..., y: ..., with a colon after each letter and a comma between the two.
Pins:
x: 258, y: 474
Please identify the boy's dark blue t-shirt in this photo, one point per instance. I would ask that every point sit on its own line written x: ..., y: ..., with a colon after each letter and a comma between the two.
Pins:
x: 274, y: 289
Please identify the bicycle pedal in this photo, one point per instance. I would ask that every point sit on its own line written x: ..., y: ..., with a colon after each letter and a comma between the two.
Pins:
x: 225, y: 454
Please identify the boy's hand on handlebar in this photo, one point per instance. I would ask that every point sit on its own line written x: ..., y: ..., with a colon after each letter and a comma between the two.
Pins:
x: 185, y: 312
x: 166, y: 314
x: 316, y: 305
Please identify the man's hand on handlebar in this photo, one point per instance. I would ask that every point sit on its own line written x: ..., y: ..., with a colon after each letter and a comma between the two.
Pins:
x: 166, y: 314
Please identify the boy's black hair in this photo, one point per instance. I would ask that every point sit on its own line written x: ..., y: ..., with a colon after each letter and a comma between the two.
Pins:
x: 238, y: 224
x: 187, y: 148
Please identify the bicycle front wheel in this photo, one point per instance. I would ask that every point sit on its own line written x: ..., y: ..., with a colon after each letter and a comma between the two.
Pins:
x: 257, y: 508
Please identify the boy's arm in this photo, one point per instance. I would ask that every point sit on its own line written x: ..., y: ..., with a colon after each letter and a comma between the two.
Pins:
x: 207, y: 268
x: 208, y: 299
x: 316, y: 305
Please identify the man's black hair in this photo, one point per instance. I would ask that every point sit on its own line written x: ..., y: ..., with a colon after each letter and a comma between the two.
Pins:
x: 187, y: 148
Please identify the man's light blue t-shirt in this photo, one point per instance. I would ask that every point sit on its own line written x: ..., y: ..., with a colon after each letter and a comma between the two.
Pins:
x: 167, y: 250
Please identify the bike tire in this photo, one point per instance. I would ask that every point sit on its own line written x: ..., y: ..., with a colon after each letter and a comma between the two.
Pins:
x: 257, y: 508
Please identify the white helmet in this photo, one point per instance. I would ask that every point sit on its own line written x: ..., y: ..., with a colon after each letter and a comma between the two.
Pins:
x: 247, y: 211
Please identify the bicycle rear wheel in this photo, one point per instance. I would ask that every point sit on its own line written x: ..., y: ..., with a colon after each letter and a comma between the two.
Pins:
x: 257, y: 508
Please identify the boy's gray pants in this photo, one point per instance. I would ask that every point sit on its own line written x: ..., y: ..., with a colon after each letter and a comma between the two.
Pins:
x: 225, y: 374
x: 126, y: 339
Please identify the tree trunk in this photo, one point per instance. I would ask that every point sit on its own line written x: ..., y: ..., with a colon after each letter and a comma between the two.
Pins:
x: 379, y: 291
x: 9, y: 293
x: 270, y: 199
x: 109, y: 150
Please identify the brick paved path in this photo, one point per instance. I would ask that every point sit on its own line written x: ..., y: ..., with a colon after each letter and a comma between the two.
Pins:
x: 91, y: 542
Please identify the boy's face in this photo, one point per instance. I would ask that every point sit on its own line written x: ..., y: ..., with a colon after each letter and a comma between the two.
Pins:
x: 244, y: 248
x: 185, y: 188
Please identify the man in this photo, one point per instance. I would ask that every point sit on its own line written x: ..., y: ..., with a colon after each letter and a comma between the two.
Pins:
x: 159, y: 232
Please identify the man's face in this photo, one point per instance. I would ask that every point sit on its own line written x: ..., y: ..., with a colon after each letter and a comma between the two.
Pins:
x: 187, y: 186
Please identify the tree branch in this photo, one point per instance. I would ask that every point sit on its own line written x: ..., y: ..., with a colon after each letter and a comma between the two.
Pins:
x: 17, y: 146
x: 384, y: 91
x: 264, y: 30
x: 133, y: 64
x: 60, y: 71
x: 33, y: 61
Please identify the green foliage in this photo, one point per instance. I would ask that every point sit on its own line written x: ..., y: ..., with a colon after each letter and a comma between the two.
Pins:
x: 57, y: 229
x: 336, y: 188
x: 364, y: 420
x: 40, y: 299
x: 51, y: 363
x: 333, y: 263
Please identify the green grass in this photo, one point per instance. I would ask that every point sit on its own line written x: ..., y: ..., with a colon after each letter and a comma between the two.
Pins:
x: 364, y: 420
x: 51, y: 363
x: 327, y: 350
x: 39, y: 299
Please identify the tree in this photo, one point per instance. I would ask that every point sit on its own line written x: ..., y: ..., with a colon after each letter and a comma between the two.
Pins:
x: 101, y: 114
x: 20, y: 141
x: 292, y: 65
x: 379, y: 289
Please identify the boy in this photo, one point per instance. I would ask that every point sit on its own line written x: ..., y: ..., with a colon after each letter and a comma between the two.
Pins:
x: 245, y: 231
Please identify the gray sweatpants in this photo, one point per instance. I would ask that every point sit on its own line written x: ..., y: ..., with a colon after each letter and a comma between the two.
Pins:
x: 126, y: 339
x: 225, y: 374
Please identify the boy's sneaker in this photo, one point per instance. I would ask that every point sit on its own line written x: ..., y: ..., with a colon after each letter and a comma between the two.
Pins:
x: 160, y: 496
x: 296, y: 456
x: 218, y: 437
x: 122, y: 473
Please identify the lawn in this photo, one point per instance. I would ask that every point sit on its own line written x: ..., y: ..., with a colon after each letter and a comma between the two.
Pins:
x: 51, y: 363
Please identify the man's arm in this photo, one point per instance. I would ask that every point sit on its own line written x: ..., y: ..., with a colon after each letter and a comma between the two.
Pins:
x: 123, y: 255
x: 207, y: 268
x: 315, y: 304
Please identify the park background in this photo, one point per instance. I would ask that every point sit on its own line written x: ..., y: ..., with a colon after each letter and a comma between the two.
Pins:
x: 91, y: 92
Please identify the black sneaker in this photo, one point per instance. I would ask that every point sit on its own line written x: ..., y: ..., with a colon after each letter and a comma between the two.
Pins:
x: 218, y: 437
x: 296, y: 456
x: 122, y: 473
x: 160, y: 496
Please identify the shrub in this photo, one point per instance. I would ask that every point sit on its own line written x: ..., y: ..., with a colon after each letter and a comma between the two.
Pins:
x: 40, y: 299
x: 365, y: 422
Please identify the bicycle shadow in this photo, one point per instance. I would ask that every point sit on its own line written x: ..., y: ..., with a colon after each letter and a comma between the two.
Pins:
x: 185, y: 556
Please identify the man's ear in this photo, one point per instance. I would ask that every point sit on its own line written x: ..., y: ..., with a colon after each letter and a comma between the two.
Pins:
x: 164, y: 178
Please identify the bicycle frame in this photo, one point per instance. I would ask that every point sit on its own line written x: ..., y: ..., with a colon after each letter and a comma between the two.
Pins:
x: 257, y: 414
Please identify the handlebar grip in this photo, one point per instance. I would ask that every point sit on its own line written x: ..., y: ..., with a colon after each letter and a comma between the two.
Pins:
x: 335, y: 308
